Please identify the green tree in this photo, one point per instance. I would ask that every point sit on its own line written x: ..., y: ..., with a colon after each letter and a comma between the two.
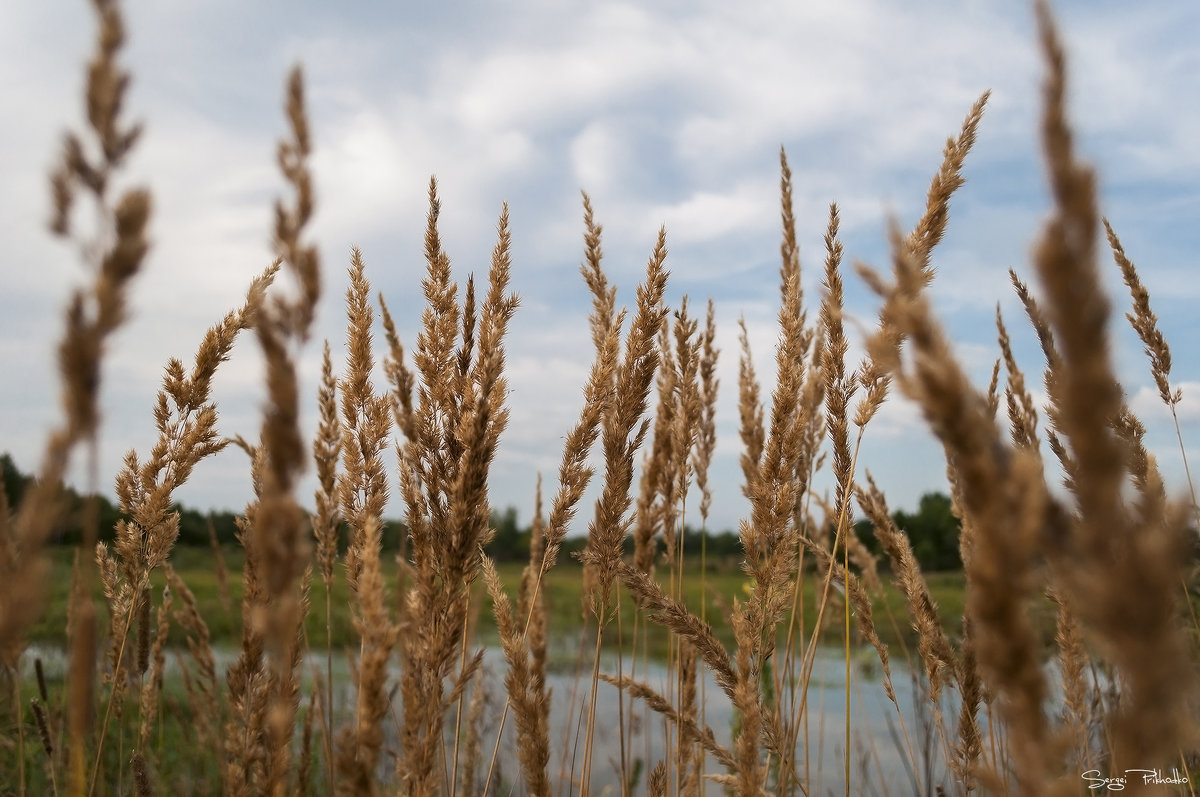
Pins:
x: 934, y: 532
x: 510, y: 542
x: 15, y: 481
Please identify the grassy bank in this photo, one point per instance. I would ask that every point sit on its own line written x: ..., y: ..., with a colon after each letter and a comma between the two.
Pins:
x: 220, y: 603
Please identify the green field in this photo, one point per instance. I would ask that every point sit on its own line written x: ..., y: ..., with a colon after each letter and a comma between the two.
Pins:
x: 563, y: 589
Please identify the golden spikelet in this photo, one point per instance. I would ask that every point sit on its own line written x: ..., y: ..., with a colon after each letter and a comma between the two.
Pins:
x: 1002, y: 494
x: 525, y: 697
x: 751, y: 410
x: 1116, y: 566
x: 92, y: 315
x: 624, y: 430
x: 933, y: 645
x: 1022, y: 415
x: 366, y: 420
x: 706, y: 435
x: 1145, y: 322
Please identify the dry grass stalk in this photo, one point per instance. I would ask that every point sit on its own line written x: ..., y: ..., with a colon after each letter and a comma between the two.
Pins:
x: 663, y: 706
x: 574, y: 474
x: 789, y: 249
x: 965, y: 761
x: 604, y: 296
x: 469, y: 784
x: 526, y: 697
x: 1143, y: 467
x: 1123, y: 568
x: 666, y: 474
x: 285, y: 698
x: 1001, y: 493
x: 673, y: 615
x: 1022, y: 415
x: 207, y: 705
x: 245, y: 751
x: 927, y: 233
x: 1054, y: 367
x: 327, y: 446
x: 750, y: 772
x: 776, y: 472
x: 304, y: 772
x: 932, y: 226
x: 706, y: 434
x: 43, y: 726
x: 1145, y: 322
x: 360, y: 743
x: 423, y: 468
x: 753, y: 431
x: 248, y: 678
x: 656, y: 786
x: 624, y: 430
x: 706, y: 442
x: 668, y: 612
x: 143, y: 632
x: 152, y: 683
x: 81, y: 632
x: 770, y: 540
x: 932, y: 644
x: 835, y: 572
x: 598, y: 394
x: 686, y: 425
x: 875, y: 381
x: 186, y: 421
x: 361, y: 489
x: 691, y: 759
x: 686, y: 421
x: 532, y: 606
x: 400, y: 379
x: 1072, y: 661
x: 993, y: 391
x: 278, y: 533
x: 116, y: 255
x: 141, y: 775
x: 776, y: 467
x: 366, y: 418
x: 838, y: 390
x: 444, y: 479
x: 654, y: 505
x: 1037, y: 318
x: 812, y: 431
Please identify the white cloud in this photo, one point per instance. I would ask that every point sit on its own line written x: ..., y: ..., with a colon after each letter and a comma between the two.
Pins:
x: 1148, y: 405
x: 705, y: 215
x: 598, y: 155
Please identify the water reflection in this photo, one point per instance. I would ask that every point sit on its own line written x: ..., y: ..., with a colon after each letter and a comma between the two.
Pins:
x: 880, y: 735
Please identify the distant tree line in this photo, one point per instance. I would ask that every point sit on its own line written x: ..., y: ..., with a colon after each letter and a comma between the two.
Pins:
x: 933, y: 528
x: 933, y: 531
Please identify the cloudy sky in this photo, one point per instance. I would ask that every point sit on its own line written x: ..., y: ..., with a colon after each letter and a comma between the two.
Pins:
x: 666, y: 112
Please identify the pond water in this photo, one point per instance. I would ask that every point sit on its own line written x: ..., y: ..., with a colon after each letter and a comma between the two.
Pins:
x: 879, y: 762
